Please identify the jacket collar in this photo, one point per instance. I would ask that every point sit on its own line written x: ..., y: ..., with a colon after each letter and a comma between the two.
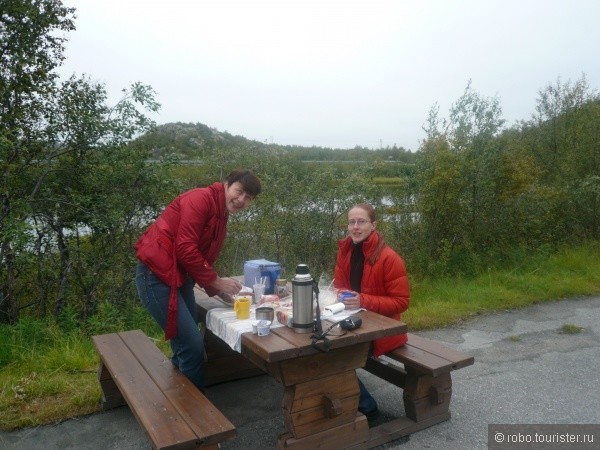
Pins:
x: 369, y: 244
x: 218, y: 192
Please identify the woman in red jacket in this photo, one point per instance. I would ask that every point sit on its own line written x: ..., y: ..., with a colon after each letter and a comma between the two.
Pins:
x: 178, y: 250
x: 376, y: 276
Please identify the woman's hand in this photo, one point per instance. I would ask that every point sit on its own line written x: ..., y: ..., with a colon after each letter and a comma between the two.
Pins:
x: 229, y: 286
x: 352, y: 302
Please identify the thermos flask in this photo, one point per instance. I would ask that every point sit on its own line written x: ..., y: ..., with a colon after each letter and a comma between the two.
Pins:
x: 302, y: 300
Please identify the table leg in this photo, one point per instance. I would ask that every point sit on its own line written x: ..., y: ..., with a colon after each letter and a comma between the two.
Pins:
x: 323, y: 414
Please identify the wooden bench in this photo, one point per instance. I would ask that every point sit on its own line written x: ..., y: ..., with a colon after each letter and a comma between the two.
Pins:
x: 425, y: 379
x: 172, y: 411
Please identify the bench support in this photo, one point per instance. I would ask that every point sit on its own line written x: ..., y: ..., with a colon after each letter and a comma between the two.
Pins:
x: 426, y: 380
x: 111, y: 396
x: 426, y: 396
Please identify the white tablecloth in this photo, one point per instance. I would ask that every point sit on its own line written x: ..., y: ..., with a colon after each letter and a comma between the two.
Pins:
x: 223, y: 323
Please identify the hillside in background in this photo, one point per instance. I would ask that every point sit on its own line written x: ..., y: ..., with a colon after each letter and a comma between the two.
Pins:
x: 197, y: 141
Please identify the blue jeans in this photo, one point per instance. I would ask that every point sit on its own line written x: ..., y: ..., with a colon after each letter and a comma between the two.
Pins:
x: 366, y: 402
x: 188, y: 344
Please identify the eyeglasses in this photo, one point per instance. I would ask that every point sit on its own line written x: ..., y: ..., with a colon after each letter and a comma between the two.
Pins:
x: 359, y: 222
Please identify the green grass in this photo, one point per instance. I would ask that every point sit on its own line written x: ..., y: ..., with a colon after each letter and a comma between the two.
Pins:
x: 569, y: 328
x: 569, y: 273
x: 48, y: 374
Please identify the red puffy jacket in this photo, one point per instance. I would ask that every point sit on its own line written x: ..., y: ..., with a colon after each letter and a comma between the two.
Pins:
x: 186, y: 239
x: 384, y: 285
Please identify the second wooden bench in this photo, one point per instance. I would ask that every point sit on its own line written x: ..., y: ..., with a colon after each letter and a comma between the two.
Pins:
x: 172, y: 411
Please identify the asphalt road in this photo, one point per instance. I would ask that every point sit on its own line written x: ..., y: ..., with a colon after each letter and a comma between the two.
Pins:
x: 526, y: 372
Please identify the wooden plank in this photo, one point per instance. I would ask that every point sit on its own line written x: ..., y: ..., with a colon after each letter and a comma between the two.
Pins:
x: 270, y: 368
x: 111, y: 396
x: 314, y: 420
x: 396, y: 429
x: 224, y: 363
x: 420, y: 385
x: 386, y: 371
x: 336, y: 438
x: 310, y: 394
x: 426, y: 396
x: 285, y: 343
x: 271, y: 348
x: 458, y: 359
x: 321, y: 365
x: 429, y: 357
x: 320, y: 404
x: 374, y: 326
x: 382, y: 326
x: 157, y: 416
x: 207, y: 422
x: 420, y: 360
x: 229, y: 368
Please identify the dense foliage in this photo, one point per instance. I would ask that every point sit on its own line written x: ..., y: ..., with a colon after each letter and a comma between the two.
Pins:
x: 72, y: 193
x: 80, y: 180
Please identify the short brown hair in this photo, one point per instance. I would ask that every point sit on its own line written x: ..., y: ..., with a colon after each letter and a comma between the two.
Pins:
x: 247, y: 179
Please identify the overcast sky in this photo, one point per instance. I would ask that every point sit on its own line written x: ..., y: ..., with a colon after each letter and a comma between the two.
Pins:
x: 332, y: 73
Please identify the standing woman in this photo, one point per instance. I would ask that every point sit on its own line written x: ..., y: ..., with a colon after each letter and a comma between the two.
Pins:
x: 177, y: 251
x: 376, y: 276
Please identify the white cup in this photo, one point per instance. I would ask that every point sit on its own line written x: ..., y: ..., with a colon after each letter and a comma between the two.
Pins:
x: 263, y: 327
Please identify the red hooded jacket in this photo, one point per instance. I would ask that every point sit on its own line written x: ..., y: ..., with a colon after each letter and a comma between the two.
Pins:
x: 186, y: 239
x: 384, y: 285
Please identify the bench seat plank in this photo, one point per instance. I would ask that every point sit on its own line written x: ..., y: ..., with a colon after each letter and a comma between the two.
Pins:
x: 429, y: 356
x: 458, y: 358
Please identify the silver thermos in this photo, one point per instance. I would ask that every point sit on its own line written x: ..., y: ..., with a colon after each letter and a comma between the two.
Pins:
x: 302, y: 300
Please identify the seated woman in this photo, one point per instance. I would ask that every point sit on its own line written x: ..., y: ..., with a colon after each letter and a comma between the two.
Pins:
x: 376, y: 276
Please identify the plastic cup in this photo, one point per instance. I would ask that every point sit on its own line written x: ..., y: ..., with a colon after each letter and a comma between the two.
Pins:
x: 259, y: 291
x: 345, y: 295
x: 263, y: 327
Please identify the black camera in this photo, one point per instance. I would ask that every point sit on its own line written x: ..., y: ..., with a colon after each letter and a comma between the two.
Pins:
x: 350, y: 323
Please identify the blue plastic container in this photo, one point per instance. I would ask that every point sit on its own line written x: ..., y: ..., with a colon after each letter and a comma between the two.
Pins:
x: 258, y: 269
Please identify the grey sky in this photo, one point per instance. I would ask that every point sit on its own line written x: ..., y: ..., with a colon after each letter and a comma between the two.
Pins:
x: 333, y: 73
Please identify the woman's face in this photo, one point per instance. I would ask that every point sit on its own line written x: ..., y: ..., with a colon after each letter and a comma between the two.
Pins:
x: 236, y: 199
x: 359, y: 225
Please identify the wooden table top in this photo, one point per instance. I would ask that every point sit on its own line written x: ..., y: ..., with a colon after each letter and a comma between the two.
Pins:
x: 285, y: 343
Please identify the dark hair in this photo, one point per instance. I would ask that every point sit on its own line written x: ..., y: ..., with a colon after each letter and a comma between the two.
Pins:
x: 381, y: 244
x: 250, y: 182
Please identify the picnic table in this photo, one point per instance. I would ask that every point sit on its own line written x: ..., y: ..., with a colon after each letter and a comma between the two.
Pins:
x: 320, y: 399
x: 321, y: 392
